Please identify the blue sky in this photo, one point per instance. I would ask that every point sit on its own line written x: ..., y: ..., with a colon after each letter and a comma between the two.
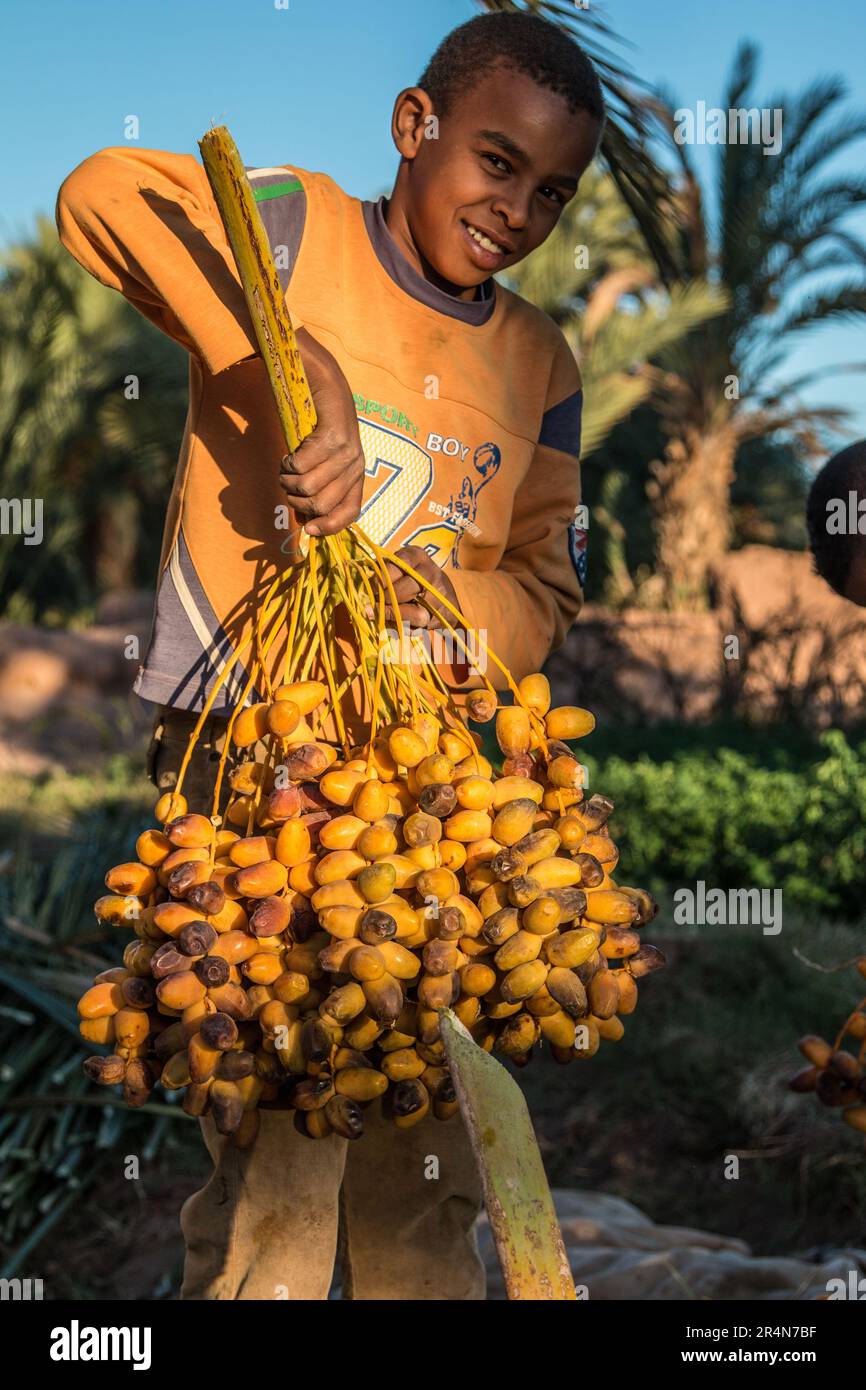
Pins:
x: 314, y: 83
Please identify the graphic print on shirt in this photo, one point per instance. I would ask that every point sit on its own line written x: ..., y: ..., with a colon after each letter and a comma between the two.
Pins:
x: 577, y: 544
x: 442, y: 540
x: 403, y: 472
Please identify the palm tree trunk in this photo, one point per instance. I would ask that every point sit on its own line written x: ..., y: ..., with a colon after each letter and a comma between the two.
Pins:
x: 690, y: 496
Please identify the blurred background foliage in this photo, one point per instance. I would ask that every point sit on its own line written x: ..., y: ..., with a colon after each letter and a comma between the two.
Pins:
x: 72, y: 433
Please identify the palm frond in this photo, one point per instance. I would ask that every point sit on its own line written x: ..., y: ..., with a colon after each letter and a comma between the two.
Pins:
x: 56, y: 1135
x: 626, y: 340
x: 846, y: 301
x: 604, y: 409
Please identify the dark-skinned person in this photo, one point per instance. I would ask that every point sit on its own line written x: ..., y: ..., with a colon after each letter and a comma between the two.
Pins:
x: 449, y: 421
x: 836, y: 522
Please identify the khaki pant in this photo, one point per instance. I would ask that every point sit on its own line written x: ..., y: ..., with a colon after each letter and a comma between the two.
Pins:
x: 265, y: 1226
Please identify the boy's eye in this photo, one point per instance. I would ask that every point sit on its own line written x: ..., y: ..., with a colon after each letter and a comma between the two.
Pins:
x: 498, y: 162
x: 554, y: 194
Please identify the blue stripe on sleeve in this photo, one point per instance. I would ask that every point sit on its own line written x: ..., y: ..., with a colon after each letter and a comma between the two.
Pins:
x: 560, y: 426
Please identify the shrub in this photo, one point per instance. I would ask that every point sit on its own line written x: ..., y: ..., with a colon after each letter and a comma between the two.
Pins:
x: 727, y: 817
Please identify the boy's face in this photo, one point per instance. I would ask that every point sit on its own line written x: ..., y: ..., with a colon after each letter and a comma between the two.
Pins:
x: 492, y: 186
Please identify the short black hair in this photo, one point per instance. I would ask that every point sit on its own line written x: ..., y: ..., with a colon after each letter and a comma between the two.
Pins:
x: 834, y: 552
x: 521, y: 41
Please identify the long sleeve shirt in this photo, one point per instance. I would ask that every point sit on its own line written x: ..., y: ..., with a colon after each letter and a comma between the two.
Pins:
x: 469, y: 411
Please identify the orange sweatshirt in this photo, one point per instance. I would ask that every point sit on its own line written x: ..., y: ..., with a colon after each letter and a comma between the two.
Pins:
x: 469, y: 412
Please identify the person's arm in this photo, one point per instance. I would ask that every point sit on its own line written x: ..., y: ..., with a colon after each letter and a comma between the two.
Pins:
x: 144, y: 222
x: 525, y: 607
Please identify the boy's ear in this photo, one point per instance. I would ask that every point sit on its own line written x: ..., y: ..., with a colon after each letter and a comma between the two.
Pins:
x: 409, y: 120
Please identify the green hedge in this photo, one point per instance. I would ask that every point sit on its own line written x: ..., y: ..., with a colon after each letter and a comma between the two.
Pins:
x: 727, y: 817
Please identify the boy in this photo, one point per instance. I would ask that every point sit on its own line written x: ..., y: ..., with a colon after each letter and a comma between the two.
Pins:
x: 449, y: 417
x: 836, y: 521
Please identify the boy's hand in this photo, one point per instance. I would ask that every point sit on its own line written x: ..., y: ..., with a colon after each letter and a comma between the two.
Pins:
x: 324, y: 479
x: 408, y: 591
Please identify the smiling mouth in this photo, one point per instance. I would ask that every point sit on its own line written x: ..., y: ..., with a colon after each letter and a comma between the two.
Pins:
x: 485, y: 242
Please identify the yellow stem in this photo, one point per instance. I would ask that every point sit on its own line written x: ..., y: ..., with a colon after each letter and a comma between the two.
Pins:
x: 442, y: 600
x: 326, y: 659
x: 230, y: 662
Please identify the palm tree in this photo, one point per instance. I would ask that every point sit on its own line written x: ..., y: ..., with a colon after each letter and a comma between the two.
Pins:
x: 595, y: 277
x: 72, y: 436
x: 780, y: 231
